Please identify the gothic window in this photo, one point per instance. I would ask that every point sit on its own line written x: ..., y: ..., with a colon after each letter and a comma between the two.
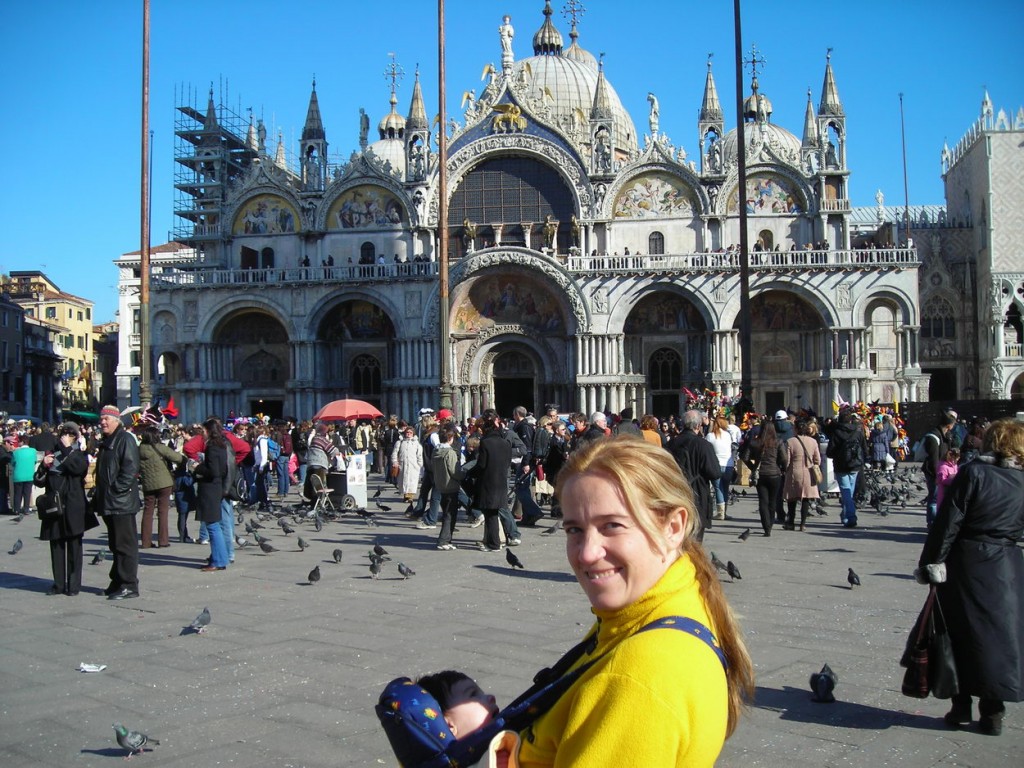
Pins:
x: 937, y: 319
x: 1013, y: 329
x: 656, y: 244
x: 665, y: 370
x: 365, y: 377
x: 267, y: 258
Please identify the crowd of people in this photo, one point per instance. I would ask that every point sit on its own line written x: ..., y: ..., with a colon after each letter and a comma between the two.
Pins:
x: 634, y: 498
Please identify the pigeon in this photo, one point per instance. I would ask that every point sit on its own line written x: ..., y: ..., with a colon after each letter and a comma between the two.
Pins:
x: 853, y: 578
x: 318, y: 523
x: 314, y: 575
x: 303, y: 544
x: 286, y: 528
x: 734, y: 572
x: 410, y: 512
x: 250, y: 528
x: 259, y: 539
x: 375, y: 566
x: 16, y: 548
x: 201, y: 622
x: 745, y: 535
x: 379, y: 550
x: 265, y: 547
x: 512, y: 560
x: 383, y: 507
x: 240, y: 542
x: 375, y: 558
x: 97, y: 558
x: 337, y: 555
x: 553, y: 529
x: 718, y: 563
x: 405, y: 570
x: 378, y: 493
x: 253, y: 524
x: 133, y: 741
x: 18, y: 517
x: 822, y: 685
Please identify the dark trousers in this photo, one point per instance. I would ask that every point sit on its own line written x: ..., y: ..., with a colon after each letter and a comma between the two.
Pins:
x: 22, y: 502
x: 805, y: 511
x: 768, y: 498
x: 449, y: 511
x: 66, y: 562
x: 492, y: 535
x: 122, y: 538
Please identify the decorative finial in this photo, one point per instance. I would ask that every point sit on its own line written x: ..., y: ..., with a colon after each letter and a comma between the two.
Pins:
x: 711, y: 55
x: 828, y: 55
x: 755, y: 60
x: 574, y: 11
x: 314, y: 81
x: 394, y: 73
x: 600, y: 61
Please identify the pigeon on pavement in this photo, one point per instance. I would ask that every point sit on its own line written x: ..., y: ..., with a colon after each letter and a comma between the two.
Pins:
x: 97, y: 558
x: 337, y: 555
x: 379, y: 550
x: 553, y: 529
x: 241, y: 542
x: 734, y: 572
x: 318, y: 523
x: 822, y: 685
x: 16, y: 548
x: 375, y: 566
x: 745, y: 535
x: 303, y: 544
x: 265, y: 546
x: 512, y: 560
x: 719, y: 565
x: 405, y: 570
x: 133, y: 741
x: 853, y: 578
x: 286, y: 528
x: 378, y: 493
x: 201, y: 622
x: 314, y: 575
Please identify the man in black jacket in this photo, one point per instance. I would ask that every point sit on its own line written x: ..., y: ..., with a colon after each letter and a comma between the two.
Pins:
x: 117, y: 500
x: 490, y: 478
x: 848, y: 449
x: 696, y: 458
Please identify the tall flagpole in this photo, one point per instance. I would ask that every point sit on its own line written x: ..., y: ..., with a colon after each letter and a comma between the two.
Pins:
x: 746, y: 366
x: 445, y: 341
x: 144, y: 362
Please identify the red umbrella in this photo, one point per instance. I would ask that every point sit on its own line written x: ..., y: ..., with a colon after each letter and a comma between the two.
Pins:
x: 346, y: 410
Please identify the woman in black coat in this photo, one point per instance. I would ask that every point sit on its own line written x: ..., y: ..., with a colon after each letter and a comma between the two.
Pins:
x: 63, y: 474
x: 214, y: 477
x: 975, y: 535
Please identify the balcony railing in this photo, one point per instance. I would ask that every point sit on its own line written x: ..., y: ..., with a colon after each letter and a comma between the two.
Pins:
x: 838, y: 204
x: 759, y: 260
x: 362, y: 273
x: 1014, y: 350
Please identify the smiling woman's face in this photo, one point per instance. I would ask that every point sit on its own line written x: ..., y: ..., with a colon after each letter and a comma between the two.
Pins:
x: 613, y: 559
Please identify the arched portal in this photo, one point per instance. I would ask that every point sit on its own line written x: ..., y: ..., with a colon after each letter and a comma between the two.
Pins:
x: 352, y: 350
x: 666, y: 338
x: 252, y: 350
x: 514, y: 376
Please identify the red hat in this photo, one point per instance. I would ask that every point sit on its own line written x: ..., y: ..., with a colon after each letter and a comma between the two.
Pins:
x: 444, y: 413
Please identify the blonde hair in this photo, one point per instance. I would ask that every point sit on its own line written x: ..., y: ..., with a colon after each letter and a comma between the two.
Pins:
x: 654, y: 489
x: 1005, y: 438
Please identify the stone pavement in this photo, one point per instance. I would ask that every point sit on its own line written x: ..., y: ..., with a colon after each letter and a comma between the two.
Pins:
x: 288, y: 673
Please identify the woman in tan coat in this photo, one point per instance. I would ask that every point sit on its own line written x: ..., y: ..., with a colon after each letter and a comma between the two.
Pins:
x: 800, y: 455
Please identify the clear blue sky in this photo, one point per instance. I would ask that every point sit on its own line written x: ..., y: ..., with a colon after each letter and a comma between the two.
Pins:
x: 73, y: 84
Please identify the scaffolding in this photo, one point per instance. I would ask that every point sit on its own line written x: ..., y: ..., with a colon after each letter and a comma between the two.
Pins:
x: 210, y: 157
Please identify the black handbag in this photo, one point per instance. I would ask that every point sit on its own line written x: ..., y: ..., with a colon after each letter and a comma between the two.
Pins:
x: 49, y: 506
x: 928, y: 657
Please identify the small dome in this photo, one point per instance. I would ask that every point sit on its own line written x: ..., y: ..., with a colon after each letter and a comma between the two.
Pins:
x: 392, y: 126
x: 577, y: 53
x: 392, y: 151
x: 548, y: 40
x: 757, y: 106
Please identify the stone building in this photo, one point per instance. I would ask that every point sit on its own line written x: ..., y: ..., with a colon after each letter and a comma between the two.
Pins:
x: 593, y: 264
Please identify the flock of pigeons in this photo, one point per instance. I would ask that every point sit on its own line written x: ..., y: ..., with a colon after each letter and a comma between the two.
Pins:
x: 881, y: 491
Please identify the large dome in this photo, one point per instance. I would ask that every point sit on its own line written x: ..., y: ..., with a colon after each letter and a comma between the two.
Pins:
x: 760, y: 137
x: 572, y: 83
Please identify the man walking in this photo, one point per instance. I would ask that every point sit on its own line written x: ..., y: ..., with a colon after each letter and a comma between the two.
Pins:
x: 696, y: 458
x: 848, y: 450
x: 490, y: 478
x: 117, y: 500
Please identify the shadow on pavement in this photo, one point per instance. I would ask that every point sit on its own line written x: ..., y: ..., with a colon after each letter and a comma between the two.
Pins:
x: 795, y: 704
x: 25, y: 582
x: 528, y: 574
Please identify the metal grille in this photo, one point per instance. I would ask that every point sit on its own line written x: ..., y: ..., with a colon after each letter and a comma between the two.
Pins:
x: 511, y: 190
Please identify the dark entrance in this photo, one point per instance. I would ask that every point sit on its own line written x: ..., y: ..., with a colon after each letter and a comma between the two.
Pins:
x: 514, y: 374
x: 774, y: 401
x: 664, y: 406
x: 272, y: 408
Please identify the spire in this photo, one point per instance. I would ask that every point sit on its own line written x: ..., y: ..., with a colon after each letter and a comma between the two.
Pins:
x: 830, y: 103
x: 417, y: 120
x: 987, y: 108
x: 548, y: 40
x: 810, y: 139
x: 574, y: 11
x: 279, y: 158
x: 602, y: 109
x: 250, y: 137
x: 711, y: 108
x: 313, y: 130
x: 210, y: 121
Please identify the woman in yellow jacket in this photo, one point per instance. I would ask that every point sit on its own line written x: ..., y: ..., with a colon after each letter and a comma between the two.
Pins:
x: 653, y: 698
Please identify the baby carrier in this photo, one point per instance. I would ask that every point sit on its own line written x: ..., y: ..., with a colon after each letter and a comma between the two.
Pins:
x: 420, y: 737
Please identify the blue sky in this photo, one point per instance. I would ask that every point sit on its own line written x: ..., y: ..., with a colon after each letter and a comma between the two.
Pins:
x: 73, y: 84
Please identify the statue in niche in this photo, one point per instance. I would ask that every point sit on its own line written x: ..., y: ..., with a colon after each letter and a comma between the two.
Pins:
x: 364, y: 128
x: 469, y: 234
x: 602, y: 150
x: 550, y: 231
x: 574, y: 227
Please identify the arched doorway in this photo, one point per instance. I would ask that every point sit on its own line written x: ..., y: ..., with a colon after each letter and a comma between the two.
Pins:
x: 353, y: 342
x: 254, y: 353
x: 665, y: 380
x: 515, y: 378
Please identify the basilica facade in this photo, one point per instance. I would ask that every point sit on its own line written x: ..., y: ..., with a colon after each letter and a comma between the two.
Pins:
x: 593, y: 263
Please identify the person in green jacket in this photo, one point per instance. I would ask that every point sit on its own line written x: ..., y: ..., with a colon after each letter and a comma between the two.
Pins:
x: 155, y: 459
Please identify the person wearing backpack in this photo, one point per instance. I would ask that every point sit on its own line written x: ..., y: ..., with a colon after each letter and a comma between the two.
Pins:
x: 848, y: 450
